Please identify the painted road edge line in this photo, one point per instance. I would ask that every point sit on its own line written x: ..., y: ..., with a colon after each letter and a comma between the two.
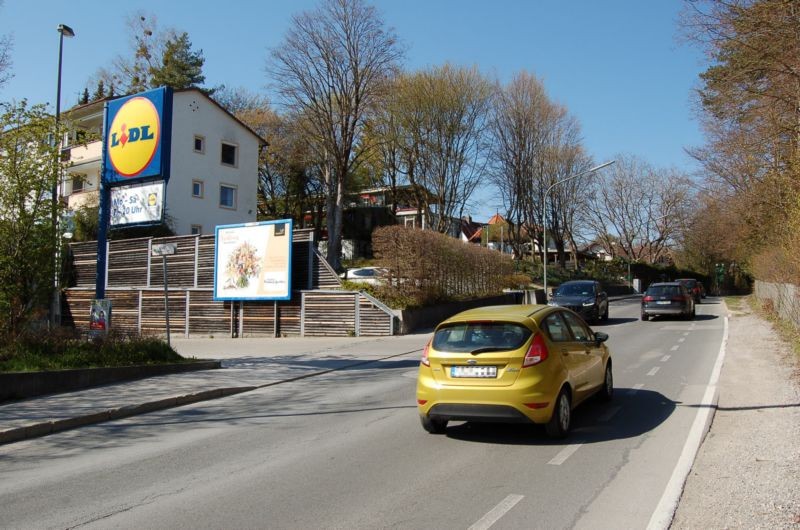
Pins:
x: 665, y: 511
x: 497, y: 512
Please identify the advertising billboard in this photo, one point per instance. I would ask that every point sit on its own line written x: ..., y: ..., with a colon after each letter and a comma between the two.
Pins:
x: 253, y: 261
x: 137, y: 204
x: 137, y: 134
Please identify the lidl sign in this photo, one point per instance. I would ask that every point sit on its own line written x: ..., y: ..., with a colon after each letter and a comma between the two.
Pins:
x: 137, y: 135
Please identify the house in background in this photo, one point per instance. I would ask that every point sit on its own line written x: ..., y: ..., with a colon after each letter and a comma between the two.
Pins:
x: 213, y: 163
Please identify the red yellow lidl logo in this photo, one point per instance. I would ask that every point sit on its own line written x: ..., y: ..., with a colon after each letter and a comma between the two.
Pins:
x: 133, y: 137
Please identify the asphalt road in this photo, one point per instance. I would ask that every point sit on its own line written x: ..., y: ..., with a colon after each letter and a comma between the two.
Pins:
x: 346, y: 450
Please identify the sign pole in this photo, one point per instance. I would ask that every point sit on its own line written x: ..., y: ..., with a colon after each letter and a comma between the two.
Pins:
x: 164, y: 250
x: 166, y: 295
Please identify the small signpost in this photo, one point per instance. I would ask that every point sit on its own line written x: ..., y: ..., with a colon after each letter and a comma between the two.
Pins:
x: 164, y: 250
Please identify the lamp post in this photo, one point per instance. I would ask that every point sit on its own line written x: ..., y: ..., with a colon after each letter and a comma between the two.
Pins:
x: 544, y: 214
x: 63, y: 31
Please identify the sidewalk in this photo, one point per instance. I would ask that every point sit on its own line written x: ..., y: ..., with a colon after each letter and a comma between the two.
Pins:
x: 747, y: 471
x: 247, y: 364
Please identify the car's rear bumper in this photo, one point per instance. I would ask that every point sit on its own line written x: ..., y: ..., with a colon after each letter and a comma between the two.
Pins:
x: 528, y: 399
x: 652, y: 311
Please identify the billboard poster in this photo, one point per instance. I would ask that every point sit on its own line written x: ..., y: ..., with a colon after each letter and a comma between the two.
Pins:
x: 137, y: 204
x: 100, y: 317
x: 136, y: 141
x: 253, y: 261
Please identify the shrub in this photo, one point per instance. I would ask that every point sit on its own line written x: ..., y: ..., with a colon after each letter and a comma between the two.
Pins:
x: 65, y: 349
x: 427, y: 267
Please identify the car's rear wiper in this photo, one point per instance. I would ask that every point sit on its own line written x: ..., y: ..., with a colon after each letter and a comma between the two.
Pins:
x: 487, y: 349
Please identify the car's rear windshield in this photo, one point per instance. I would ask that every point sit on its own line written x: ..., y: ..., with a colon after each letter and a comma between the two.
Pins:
x: 472, y: 336
x: 575, y: 289
x: 660, y: 290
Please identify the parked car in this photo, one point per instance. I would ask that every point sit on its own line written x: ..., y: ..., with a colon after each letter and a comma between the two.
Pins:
x: 669, y: 298
x: 693, y: 286
x: 370, y: 275
x: 585, y: 297
x: 512, y: 364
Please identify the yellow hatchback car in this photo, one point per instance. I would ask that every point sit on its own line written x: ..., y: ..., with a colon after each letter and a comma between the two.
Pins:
x: 511, y: 364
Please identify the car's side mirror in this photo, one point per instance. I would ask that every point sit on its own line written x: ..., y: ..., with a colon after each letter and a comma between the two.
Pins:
x: 600, y: 337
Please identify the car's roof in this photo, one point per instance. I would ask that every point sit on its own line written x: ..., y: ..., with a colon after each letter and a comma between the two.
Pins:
x: 659, y: 284
x: 508, y: 313
x: 686, y: 280
x: 571, y: 282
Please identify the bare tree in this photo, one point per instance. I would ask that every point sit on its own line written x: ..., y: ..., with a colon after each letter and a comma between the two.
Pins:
x: 5, y: 57
x: 638, y: 207
x: 442, y: 115
x: 331, y: 69
x: 536, y: 145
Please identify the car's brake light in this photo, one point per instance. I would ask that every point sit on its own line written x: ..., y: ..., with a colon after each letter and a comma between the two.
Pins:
x: 537, y: 352
x: 648, y: 299
x: 680, y: 298
x: 425, y: 359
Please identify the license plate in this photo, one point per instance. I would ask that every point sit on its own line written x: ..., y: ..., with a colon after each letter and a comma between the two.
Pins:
x: 473, y: 371
x: 663, y: 302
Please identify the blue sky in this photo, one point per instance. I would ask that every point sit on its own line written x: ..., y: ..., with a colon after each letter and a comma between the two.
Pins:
x: 617, y: 65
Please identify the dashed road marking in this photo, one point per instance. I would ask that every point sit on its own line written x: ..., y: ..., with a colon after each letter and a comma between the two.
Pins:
x: 653, y: 371
x: 565, y: 453
x: 610, y: 413
x: 681, y: 339
x: 674, y: 348
x: 665, y: 358
x: 635, y: 388
x: 493, y: 515
x: 686, y: 334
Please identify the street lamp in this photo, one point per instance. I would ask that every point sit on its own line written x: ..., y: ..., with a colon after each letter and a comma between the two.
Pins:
x: 544, y: 213
x: 63, y: 31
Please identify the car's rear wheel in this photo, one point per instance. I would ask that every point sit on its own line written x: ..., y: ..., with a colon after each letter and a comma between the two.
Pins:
x: 607, y: 392
x: 432, y: 425
x: 645, y: 316
x: 559, y: 423
x: 605, y: 314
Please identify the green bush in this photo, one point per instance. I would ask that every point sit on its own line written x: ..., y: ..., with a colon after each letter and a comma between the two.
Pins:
x: 65, y: 350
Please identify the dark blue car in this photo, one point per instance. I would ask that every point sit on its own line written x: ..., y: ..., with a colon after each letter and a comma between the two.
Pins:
x: 585, y: 297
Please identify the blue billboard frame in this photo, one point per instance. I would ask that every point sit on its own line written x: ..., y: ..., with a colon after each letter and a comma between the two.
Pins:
x: 252, y: 227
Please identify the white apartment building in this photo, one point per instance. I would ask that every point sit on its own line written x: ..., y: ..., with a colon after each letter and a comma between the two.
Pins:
x: 213, y: 163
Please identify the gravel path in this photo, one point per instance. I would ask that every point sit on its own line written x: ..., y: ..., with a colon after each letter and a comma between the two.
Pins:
x: 747, y: 472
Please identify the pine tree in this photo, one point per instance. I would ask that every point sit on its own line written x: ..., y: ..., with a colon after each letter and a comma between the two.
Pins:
x: 100, y: 91
x: 84, y: 97
x: 181, y: 67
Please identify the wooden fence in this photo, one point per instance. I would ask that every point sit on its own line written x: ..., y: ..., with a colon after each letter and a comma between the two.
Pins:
x: 134, y: 284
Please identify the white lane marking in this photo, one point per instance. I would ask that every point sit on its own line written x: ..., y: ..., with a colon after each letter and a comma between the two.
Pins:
x: 686, y: 334
x: 674, y: 348
x: 610, y: 413
x: 635, y: 388
x: 497, y: 512
x: 665, y: 511
x: 681, y: 339
x: 665, y: 358
x: 653, y: 371
x: 565, y: 453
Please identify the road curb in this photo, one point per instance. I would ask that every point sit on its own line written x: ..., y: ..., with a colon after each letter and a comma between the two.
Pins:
x: 44, y: 428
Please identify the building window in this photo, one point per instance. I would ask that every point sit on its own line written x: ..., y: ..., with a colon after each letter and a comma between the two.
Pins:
x: 197, y: 188
x: 197, y: 230
x: 199, y: 144
x: 227, y: 196
x: 228, y: 156
x: 78, y: 184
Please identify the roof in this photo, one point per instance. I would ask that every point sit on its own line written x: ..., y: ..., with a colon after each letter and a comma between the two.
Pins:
x: 88, y: 108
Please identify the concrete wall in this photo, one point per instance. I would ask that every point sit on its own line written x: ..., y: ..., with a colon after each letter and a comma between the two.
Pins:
x: 784, y: 298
